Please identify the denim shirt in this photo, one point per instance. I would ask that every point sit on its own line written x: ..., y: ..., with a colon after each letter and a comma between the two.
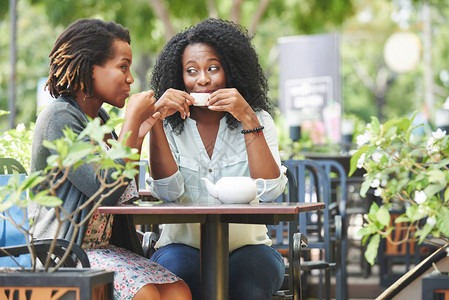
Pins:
x: 229, y: 158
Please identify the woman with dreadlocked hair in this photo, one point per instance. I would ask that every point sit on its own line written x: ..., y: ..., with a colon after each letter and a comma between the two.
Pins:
x: 90, y: 65
x: 232, y: 135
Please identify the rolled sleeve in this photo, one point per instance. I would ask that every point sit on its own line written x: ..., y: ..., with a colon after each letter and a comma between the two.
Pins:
x: 167, y: 189
x: 274, y: 187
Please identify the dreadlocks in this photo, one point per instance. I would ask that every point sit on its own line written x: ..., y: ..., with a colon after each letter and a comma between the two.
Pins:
x: 84, y: 43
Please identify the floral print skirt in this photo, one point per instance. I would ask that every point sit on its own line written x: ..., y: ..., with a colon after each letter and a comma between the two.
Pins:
x: 131, y: 271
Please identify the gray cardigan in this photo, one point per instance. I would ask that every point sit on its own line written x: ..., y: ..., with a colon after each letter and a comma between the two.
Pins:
x: 80, y: 184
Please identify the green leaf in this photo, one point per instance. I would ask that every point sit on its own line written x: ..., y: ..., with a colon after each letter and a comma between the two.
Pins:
x: 33, y: 180
x: 401, y: 219
x: 423, y: 233
x: 375, y: 125
x: 77, y: 152
x: 374, y: 208
x: 446, y: 195
x: 414, y: 213
x: 48, y: 201
x: 367, y: 230
x: 371, y: 249
x: 49, y: 145
x: 436, y: 176
x: 383, y: 216
x: 443, y: 221
x: 365, y: 186
x: 355, y: 158
x: 433, y: 189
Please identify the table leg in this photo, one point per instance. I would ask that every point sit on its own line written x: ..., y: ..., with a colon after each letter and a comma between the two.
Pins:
x: 214, y: 259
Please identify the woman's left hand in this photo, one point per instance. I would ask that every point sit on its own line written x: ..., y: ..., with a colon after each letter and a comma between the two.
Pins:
x: 230, y: 100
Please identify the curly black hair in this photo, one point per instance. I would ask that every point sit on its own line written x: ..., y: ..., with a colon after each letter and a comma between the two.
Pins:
x: 236, y: 53
x: 84, y: 43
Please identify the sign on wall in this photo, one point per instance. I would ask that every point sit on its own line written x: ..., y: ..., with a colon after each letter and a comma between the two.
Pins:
x: 310, y: 86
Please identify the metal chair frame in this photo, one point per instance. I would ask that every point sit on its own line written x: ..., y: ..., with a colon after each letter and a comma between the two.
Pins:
x: 326, y: 232
x: 10, y: 166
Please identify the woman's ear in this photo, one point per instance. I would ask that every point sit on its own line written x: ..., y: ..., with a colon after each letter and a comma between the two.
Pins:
x: 93, y: 72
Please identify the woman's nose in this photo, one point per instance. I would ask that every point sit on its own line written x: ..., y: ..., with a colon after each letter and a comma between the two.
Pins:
x: 203, y: 79
x: 130, y: 78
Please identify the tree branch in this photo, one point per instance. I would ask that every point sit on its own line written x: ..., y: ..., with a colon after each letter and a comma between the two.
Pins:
x: 364, y: 76
x: 162, y: 14
x: 258, y: 16
x: 212, y: 8
x: 236, y: 11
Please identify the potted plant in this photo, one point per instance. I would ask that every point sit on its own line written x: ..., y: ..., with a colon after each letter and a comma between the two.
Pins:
x: 71, y: 151
x: 405, y: 170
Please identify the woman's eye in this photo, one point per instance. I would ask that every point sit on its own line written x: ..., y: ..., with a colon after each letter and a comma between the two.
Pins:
x: 191, y: 70
x: 213, y: 68
x: 124, y: 67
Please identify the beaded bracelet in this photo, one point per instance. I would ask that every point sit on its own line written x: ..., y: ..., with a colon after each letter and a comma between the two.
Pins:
x: 258, y: 130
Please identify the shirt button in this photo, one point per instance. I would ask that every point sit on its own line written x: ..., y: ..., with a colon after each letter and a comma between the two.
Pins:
x: 210, y: 170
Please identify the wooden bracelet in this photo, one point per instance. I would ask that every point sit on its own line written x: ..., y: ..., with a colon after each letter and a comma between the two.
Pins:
x: 258, y: 130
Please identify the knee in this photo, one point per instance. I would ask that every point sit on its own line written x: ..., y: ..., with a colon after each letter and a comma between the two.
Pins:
x: 180, y: 259
x: 174, y: 291
x: 148, y: 291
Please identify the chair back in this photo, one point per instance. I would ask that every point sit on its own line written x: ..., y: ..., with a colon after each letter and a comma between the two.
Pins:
x: 322, y: 181
x: 337, y: 180
x: 313, y: 186
x: 10, y: 166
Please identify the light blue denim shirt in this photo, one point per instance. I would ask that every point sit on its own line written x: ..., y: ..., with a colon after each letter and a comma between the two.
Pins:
x: 229, y: 158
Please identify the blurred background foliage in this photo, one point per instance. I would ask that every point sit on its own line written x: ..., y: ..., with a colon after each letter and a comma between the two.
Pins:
x: 370, y: 88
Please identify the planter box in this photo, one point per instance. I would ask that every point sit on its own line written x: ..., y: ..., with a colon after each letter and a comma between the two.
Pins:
x: 64, y: 284
x: 435, y: 284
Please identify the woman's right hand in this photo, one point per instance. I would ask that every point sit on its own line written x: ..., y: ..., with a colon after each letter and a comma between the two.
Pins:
x: 172, y: 101
x: 141, y: 106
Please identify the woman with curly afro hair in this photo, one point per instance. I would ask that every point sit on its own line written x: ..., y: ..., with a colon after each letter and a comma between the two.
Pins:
x: 232, y: 134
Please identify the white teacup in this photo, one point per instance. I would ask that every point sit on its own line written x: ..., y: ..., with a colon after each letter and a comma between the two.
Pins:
x: 201, y: 98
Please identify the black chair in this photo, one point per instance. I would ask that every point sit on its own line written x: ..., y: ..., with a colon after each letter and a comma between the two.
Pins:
x: 148, y: 240
x: 323, y: 230
x: 291, y: 287
x: 10, y: 166
x: 42, y: 249
x: 338, y: 203
x: 42, y: 246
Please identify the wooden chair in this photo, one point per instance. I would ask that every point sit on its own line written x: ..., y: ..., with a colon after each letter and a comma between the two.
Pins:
x: 323, y: 230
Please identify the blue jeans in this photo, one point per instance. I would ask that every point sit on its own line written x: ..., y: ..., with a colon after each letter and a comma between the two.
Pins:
x: 255, y: 271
